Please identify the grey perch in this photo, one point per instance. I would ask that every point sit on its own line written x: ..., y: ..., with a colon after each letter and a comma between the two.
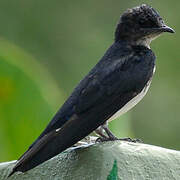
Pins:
x: 101, y: 161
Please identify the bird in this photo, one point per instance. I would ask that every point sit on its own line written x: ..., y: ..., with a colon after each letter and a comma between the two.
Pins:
x: 115, y: 84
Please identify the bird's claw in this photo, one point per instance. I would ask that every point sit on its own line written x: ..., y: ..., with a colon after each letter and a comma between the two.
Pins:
x: 103, y: 139
x: 131, y: 140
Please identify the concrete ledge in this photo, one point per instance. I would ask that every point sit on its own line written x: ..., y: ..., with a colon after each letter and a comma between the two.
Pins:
x: 110, y: 160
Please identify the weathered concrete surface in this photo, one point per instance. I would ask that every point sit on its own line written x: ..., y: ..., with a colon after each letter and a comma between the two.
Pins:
x: 134, y: 162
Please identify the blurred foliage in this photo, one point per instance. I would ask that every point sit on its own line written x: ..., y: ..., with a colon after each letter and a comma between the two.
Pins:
x: 113, y: 175
x: 66, y: 39
x: 26, y: 100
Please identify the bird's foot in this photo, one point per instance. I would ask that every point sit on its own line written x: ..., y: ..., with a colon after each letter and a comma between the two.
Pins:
x: 105, y: 139
x: 114, y: 138
x: 131, y: 140
x: 109, y: 135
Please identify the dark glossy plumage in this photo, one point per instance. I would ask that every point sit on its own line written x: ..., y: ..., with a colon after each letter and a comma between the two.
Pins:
x: 120, y: 75
x: 134, y: 23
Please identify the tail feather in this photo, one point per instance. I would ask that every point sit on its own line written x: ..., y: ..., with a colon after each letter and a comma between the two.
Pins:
x: 54, y: 143
x: 30, y: 153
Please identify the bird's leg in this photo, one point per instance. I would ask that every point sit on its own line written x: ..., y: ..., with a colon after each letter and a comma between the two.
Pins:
x: 100, y: 132
x: 103, y: 137
x: 110, y: 136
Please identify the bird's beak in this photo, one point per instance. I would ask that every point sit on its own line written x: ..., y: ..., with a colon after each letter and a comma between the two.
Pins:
x: 166, y: 29
x: 158, y: 30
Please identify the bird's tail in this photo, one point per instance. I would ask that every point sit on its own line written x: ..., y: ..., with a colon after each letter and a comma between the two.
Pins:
x: 53, y: 143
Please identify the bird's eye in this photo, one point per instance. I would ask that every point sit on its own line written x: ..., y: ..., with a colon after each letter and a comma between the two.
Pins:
x: 161, y: 21
x: 147, y: 23
x: 141, y: 21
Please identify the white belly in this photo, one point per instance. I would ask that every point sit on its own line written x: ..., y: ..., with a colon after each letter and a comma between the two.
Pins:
x: 131, y: 103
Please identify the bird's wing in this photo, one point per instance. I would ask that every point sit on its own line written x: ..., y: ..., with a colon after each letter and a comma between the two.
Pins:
x: 91, y: 91
x: 96, y: 99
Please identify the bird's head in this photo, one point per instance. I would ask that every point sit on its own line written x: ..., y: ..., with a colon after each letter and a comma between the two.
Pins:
x: 140, y: 25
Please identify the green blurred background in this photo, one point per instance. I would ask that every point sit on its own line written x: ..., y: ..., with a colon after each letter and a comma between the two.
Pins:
x: 46, y: 47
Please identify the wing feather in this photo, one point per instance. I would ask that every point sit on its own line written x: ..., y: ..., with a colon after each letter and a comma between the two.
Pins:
x: 113, y: 82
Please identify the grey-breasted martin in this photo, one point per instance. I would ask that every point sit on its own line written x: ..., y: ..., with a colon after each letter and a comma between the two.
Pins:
x: 117, y: 83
